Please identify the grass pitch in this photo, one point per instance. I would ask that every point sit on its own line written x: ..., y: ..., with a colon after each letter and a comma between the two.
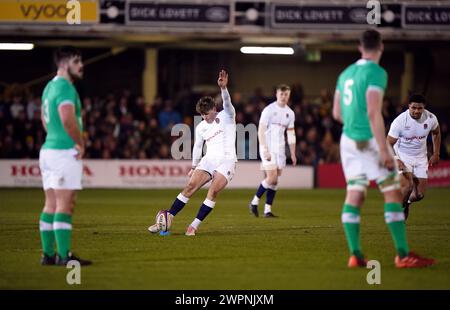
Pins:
x: 304, y: 248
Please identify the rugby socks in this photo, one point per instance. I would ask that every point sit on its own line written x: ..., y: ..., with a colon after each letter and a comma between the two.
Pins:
x: 261, y: 190
x: 62, y: 226
x: 351, y: 221
x: 205, y: 209
x: 47, y: 234
x: 178, y: 204
x: 270, y: 196
x: 395, y: 220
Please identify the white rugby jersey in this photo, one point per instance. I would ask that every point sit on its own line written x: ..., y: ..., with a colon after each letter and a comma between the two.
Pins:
x: 412, y: 134
x: 276, y: 119
x: 220, y: 135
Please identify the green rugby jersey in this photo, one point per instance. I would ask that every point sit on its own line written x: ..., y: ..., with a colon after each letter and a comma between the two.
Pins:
x: 59, y: 91
x: 353, y: 84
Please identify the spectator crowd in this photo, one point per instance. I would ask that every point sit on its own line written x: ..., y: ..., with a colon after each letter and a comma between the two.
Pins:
x: 124, y: 126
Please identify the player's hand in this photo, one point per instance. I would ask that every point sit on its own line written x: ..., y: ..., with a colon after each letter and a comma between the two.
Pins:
x: 80, y: 150
x: 401, y: 165
x: 191, y: 172
x: 387, y: 160
x: 434, y: 159
x: 294, y: 160
x: 267, y: 154
x: 223, y: 79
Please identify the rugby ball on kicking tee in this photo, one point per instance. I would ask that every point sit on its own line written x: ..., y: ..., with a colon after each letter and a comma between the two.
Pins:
x: 164, y: 220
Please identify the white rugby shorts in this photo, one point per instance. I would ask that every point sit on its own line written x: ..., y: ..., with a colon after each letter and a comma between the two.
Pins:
x: 60, y: 169
x: 361, y: 161
x: 418, y: 166
x: 225, y: 167
x: 277, y: 160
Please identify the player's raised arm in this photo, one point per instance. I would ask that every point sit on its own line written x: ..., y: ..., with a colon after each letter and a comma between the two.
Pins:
x: 223, y: 82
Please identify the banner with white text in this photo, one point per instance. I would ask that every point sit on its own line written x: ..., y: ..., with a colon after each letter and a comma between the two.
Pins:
x: 147, y: 174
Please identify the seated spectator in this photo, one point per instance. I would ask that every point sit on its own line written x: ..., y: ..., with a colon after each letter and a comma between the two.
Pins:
x: 330, y: 149
x: 168, y: 117
x: 16, y: 107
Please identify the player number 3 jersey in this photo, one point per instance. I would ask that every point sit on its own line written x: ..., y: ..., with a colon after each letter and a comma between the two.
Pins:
x: 57, y: 93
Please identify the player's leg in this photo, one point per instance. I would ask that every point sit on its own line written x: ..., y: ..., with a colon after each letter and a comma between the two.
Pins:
x: 394, y: 217
x: 262, y: 188
x: 65, y: 202
x: 406, y: 182
x: 46, y: 228
x: 417, y: 193
x: 218, y: 183
x: 420, y: 186
x: 406, y: 188
x: 272, y: 181
x: 395, y: 220
x: 389, y: 185
x: 62, y: 225
x: 197, y: 180
x: 66, y: 182
x: 420, y: 181
x: 355, y: 174
x: 351, y: 218
x: 223, y: 174
x: 266, y: 165
x: 406, y: 185
x: 48, y: 213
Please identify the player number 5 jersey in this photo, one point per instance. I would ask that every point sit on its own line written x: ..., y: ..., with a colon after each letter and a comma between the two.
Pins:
x: 352, y: 85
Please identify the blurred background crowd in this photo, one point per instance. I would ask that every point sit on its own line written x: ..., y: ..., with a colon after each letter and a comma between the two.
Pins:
x: 123, y: 126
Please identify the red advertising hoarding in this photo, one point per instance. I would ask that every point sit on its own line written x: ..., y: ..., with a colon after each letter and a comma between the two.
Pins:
x: 332, y: 176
